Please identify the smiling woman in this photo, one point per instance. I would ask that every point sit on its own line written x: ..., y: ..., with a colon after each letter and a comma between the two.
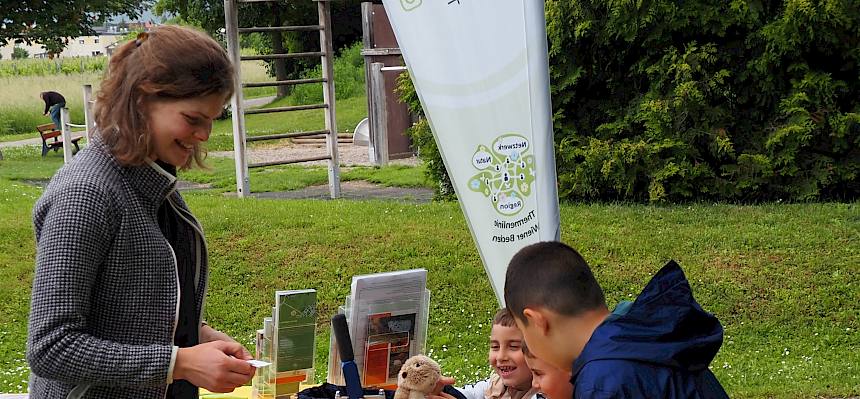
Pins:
x: 150, y: 75
x: 179, y: 126
x: 121, y: 262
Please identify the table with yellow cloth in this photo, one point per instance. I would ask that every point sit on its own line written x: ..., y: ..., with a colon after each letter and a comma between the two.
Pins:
x: 243, y: 392
x: 239, y: 393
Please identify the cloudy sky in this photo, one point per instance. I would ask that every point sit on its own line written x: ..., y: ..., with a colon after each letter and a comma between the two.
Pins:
x: 147, y: 15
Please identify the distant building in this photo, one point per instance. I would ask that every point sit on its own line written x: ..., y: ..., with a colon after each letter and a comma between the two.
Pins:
x: 140, y: 25
x: 103, y: 43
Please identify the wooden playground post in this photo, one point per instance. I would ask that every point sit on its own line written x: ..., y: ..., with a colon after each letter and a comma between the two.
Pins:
x: 88, y: 111
x: 378, y: 115
x: 67, y: 134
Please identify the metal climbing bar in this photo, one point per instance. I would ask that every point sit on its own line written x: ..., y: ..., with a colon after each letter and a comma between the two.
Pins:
x: 284, y: 56
x: 280, y: 28
x: 286, y: 135
x: 289, y: 161
x: 291, y: 82
x: 285, y: 109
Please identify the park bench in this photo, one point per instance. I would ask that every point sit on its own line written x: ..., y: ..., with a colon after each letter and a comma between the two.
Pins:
x: 48, y: 132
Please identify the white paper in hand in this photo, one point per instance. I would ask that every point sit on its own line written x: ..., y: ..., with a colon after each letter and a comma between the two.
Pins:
x: 258, y: 363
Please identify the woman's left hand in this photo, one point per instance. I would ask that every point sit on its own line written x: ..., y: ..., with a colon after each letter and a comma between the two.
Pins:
x: 209, y: 334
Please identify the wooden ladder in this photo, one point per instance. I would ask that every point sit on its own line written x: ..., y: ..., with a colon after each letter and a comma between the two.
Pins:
x: 326, y: 54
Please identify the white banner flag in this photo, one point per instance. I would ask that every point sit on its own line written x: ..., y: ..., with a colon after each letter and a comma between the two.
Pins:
x: 480, y: 69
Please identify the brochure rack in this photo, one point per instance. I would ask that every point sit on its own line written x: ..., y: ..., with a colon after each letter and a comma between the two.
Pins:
x: 288, y: 342
x: 387, y: 315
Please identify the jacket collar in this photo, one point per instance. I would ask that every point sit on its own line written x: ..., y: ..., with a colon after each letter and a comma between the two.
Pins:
x: 498, y: 390
x: 153, y: 181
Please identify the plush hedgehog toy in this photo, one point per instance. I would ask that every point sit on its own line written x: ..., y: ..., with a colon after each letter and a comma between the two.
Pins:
x: 417, y: 378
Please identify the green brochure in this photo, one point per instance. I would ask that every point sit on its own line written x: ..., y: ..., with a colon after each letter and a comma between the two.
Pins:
x: 296, y: 328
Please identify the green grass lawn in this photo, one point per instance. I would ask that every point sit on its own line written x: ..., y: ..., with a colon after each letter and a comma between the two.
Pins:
x: 782, y: 278
x: 222, y: 176
x: 26, y: 164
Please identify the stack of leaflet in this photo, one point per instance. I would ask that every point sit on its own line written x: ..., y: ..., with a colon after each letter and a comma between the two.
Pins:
x: 387, y: 315
x: 287, y: 341
x: 260, y: 387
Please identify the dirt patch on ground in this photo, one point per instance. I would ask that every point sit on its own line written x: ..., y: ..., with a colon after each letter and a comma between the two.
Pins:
x: 348, y: 154
x: 353, y: 190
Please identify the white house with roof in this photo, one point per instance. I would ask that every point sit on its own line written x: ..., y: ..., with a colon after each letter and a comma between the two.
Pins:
x: 82, y: 46
x: 103, y: 43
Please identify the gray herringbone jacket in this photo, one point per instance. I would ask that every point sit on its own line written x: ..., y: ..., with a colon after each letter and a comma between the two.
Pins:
x: 106, y: 292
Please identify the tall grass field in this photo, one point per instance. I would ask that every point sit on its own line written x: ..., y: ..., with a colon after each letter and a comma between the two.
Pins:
x: 58, y: 66
x: 21, y: 108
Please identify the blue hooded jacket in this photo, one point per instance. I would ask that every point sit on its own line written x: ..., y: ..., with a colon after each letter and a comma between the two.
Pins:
x: 660, y: 348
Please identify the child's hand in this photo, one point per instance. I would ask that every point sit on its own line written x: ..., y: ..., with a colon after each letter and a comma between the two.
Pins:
x: 441, y: 395
x: 437, y: 391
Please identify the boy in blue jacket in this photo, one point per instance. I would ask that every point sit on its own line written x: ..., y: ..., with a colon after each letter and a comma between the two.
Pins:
x: 656, y: 347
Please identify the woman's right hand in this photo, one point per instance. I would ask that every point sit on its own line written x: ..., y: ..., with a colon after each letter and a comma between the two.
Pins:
x: 215, y: 366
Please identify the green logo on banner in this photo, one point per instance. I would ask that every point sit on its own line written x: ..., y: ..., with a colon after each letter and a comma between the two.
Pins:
x: 507, y: 173
x: 409, y: 5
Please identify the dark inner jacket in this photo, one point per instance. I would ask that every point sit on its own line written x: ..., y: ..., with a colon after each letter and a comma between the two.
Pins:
x: 52, y: 98
x: 187, y: 329
x: 660, y: 348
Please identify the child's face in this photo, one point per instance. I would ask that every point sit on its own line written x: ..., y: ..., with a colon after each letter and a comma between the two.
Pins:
x: 542, y: 346
x: 507, y: 358
x: 178, y: 127
x: 554, y: 383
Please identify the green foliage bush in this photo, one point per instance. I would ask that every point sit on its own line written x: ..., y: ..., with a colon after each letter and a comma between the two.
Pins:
x: 422, y: 139
x: 720, y: 100
x: 19, y: 53
x: 348, y: 78
x: 737, y: 100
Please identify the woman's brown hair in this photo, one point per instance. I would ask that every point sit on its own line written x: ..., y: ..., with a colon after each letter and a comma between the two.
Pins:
x: 169, y: 63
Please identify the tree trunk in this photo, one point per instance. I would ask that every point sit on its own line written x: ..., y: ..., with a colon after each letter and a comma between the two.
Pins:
x: 279, y: 64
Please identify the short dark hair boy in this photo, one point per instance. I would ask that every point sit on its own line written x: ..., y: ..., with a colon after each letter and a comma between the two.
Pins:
x: 659, y: 346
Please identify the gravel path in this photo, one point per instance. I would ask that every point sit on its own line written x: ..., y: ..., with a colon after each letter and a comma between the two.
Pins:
x: 21, y: 143
x: 353, y: 190
x: 348, y: 154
